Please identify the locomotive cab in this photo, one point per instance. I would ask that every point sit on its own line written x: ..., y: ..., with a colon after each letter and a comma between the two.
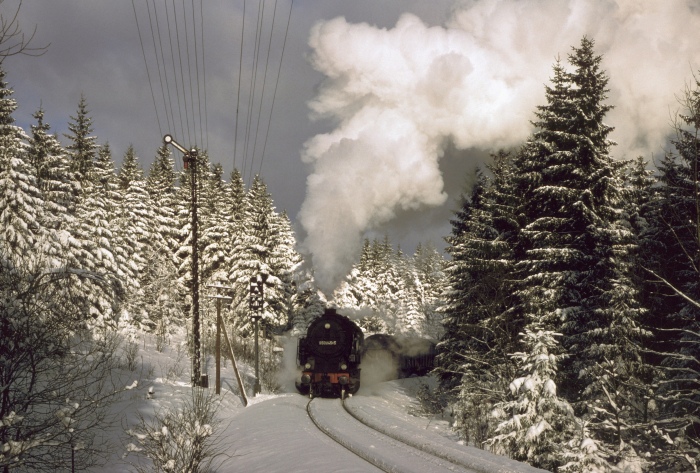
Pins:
x: 329, y: 356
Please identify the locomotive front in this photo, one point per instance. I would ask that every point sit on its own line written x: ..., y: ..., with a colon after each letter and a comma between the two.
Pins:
x: 329, y: 356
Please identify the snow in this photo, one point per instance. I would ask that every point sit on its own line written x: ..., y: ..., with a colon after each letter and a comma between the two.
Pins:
x: 275, y: 434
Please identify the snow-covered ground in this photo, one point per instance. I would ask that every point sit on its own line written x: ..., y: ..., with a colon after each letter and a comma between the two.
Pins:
x: 274, y: 433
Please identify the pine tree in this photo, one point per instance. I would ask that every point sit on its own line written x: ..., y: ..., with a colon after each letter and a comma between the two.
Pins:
x: 134, y: 238
x: 458, y: 308
x: 488, y: 329
x: 284, y: 263
x: 82, y: 145
x: 163, y: 294
x: 536, y: 421
x: 21, y: 200
x: 675, y: 228
x: 54, y: 179
x: 576, y: 241
x: 95, y: 212
x: 215, y: 226
x: 430, y: 266
x: 160, y: 185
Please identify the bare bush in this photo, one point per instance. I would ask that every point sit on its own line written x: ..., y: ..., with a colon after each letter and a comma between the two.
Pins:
x: 176, y: 440
x: 57, y: 377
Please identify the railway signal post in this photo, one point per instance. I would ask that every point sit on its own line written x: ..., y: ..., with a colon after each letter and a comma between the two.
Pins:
x: 257, y: 301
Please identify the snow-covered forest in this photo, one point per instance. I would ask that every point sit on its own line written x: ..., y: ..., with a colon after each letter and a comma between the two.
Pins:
x: 566, y: 309
x: 572, y: 303
x: 91, y: 252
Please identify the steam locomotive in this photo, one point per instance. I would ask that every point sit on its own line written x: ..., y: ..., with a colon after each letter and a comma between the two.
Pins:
x: 334, y: 346
x: 329, y: 356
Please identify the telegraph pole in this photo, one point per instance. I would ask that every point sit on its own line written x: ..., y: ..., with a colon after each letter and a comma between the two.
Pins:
x: 190, y: 162
x: 219, y: 298
x: 257, y: 302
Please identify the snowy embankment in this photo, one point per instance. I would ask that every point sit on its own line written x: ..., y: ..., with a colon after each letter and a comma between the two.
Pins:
x: 275, y: 434
x: 376, y: 448
x: 385, y: 408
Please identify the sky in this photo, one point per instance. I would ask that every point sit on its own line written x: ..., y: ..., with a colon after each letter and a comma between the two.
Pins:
x: 382, y: 108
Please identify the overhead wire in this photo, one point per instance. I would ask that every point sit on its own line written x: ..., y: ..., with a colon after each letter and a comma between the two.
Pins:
x: 252, y: 87
x: 196, y: 62
x: 238, y: 89
x: 187, y: 112
x: 172, y: 60
x: 189, y: 73
x: 264, y: 82
x: 182, y: 74
x: 145, y: 61
x: 204, y: 74
x: 155, y: 51
x: 274, y: 93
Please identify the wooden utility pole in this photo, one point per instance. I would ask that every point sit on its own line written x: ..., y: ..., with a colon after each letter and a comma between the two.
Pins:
x: 219, y: 299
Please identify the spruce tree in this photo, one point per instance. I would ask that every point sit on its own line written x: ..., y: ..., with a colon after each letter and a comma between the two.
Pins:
x: 162, y: 292
x: 83, y: 145
x: 54, y: 178
x: 134, y: 238
x: 21, y: 201
x: 284, y: 263
x: 488, y: 330
x: 160, y: 185
x: 94, y: 229
x: 536, y: 422
x: 458, y: 309
x: 675, y: 228
x: 576, y: 245
x: 216, y: 210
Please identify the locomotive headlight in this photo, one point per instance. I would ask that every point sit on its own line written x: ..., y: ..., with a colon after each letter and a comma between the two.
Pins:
x: 343, y: 366
x: 307, y: 366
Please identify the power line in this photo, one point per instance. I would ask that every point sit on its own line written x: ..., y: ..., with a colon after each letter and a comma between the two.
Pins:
x: 165, y: 73
x: 262, y: 94
x: 172, y: 57
x: 155, y: 50
x: 185, y: 26
x: 238, y: 93
x: 199, y: 88
x: 204, y: 73
x: 145, y: 61
x: 274, y: 93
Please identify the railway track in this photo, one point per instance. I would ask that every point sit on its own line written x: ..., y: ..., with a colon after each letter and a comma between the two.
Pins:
x: 386, y: 453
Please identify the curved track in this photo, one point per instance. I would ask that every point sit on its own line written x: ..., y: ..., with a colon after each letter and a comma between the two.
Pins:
x: 386, y: 453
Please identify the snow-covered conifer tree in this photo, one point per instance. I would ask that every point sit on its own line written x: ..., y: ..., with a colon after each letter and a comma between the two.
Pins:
x: 83, y: 144
x: 133, y: 231
x: 535, y: 422
x: 21, y: 201
x: 576, y: 243
x: 97, y: 208
x: 162, y: 292
x: 54, y: 178
x: 675, y: 228
x: 487, y: 331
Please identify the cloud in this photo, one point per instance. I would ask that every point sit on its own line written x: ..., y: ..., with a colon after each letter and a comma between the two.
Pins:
x: 396, y: 97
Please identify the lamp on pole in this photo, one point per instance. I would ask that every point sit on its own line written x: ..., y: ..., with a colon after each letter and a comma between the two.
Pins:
x: 190, y: 162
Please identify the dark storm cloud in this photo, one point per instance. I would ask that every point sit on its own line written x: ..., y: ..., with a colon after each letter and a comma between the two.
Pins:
x: 95, y: 51
x: 500, y: 57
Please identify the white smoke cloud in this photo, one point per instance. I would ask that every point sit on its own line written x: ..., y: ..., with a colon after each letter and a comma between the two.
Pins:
x: 398, y: 95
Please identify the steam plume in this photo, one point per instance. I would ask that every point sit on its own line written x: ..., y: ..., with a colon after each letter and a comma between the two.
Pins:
x: 398, y: 95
